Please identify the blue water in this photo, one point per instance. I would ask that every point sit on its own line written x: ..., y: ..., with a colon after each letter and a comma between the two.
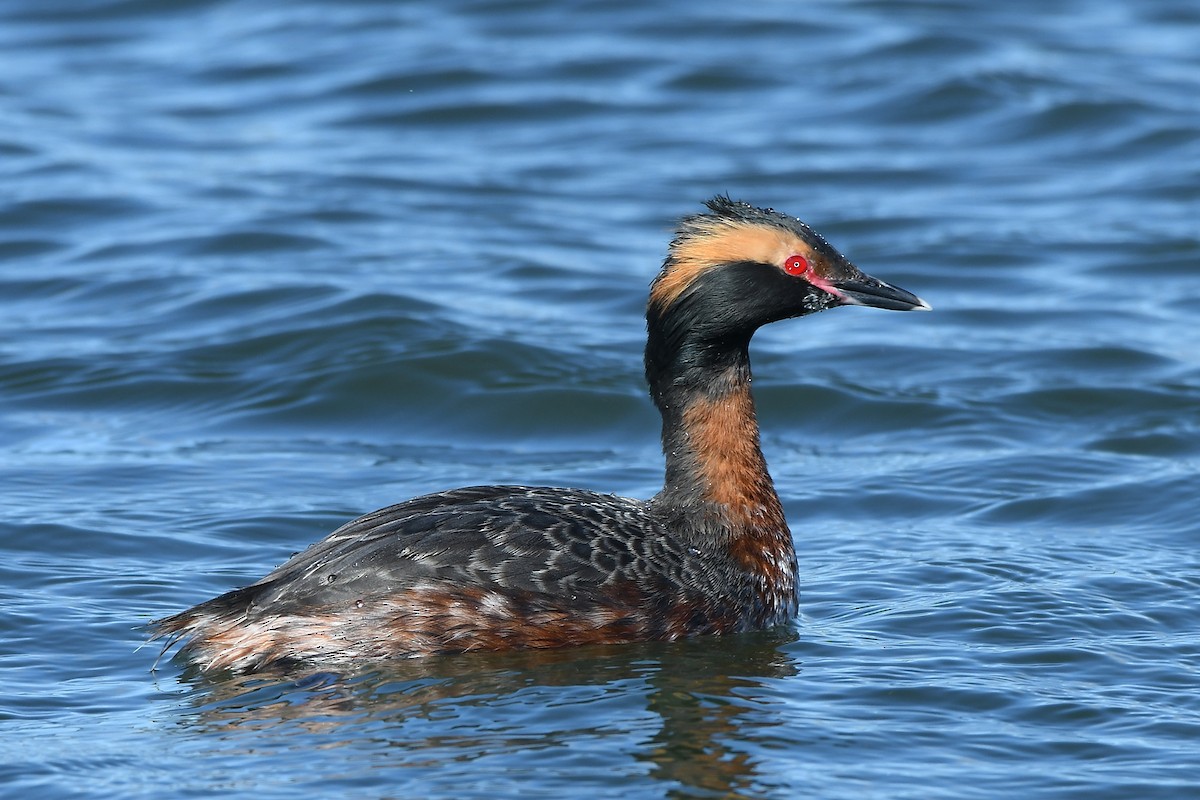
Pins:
x: 267, y: 266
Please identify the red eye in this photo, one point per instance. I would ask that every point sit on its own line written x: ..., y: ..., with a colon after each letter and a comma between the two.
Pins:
x: 795, y: 265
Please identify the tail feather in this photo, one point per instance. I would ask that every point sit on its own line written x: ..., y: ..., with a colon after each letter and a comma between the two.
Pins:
x: 198, y: 627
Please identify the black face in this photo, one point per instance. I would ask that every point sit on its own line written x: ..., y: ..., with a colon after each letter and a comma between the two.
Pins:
x: 710, y: 324
x: 736, y: 299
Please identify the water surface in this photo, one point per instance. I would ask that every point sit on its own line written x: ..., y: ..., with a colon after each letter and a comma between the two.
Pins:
x: 264, y: 267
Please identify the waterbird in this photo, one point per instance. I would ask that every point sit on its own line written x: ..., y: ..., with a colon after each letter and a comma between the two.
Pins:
x: 500, y: 567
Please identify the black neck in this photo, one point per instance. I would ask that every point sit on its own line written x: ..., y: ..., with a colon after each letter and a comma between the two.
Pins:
x: 716, y: 476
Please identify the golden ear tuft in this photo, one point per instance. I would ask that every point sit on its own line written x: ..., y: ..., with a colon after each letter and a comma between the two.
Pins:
x: 707, y: 242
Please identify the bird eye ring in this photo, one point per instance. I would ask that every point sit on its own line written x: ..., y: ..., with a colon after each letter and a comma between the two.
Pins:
x: 795, y: 265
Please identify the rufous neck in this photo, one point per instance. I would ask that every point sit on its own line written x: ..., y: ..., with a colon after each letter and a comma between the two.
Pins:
x: 715, y: 469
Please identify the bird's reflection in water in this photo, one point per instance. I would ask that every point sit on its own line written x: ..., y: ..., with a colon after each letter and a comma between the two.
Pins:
x: 682, y: 711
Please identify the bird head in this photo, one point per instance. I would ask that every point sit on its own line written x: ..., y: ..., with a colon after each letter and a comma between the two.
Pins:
x: 738, y: 267
x: 751, y: 266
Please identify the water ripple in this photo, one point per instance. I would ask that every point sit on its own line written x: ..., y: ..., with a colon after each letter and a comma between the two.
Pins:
x: 264, y: 267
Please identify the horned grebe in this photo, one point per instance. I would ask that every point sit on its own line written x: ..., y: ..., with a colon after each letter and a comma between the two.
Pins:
x: 496, y: 567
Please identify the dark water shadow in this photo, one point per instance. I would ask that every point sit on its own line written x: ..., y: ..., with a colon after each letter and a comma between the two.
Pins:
x: 696, y: 700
